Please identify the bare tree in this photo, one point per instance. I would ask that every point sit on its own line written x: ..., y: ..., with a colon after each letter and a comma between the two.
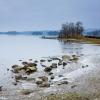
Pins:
x: 71, y: 30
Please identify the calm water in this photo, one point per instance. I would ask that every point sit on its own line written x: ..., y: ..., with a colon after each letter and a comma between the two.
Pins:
x: 14, y: 48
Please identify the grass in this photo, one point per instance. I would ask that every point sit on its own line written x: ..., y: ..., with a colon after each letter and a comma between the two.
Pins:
x: 92, y: 40
x: 80, y: 39
x: 84, y: 39
x: 65, y: 96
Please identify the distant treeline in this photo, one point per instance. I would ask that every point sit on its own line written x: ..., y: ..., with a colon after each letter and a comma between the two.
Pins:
x: 71, y: 30
x: 31, y: 33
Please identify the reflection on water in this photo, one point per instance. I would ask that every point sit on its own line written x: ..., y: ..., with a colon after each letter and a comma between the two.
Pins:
x: 71, y: 47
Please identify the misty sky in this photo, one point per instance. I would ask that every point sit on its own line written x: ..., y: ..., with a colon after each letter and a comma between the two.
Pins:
x: 27, y: 15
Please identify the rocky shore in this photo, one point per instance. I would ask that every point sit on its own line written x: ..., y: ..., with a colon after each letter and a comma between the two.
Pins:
x: 47, y: 66
x: 49, y: 78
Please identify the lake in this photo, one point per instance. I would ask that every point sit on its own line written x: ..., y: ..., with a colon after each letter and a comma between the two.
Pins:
x: 23, y: 47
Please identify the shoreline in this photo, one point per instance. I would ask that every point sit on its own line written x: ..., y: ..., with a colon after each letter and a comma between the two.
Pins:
x: 76, y: 80
x: 85, y: 39
x: 66, y: 80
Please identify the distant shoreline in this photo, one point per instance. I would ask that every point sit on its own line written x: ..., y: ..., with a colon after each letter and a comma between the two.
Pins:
x: 85, y: 39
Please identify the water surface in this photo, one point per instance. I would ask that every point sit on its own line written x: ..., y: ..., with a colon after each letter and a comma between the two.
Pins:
x: 14, y: 48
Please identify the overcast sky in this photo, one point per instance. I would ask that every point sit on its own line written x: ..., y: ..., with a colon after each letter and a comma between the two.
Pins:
x: 27, y: 15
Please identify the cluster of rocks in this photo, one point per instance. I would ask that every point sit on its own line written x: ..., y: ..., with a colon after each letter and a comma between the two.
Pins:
x: 33, y: 66
x: 27, y: 67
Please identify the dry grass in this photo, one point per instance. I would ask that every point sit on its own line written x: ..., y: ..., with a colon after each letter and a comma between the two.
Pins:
x: 84, y: 39
x: 92, y: 40
x: 67, y: 96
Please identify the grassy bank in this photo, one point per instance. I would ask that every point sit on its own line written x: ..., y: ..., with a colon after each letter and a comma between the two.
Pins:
x: 84, y: 39
x: 87, y: 40
x: 92, y: 40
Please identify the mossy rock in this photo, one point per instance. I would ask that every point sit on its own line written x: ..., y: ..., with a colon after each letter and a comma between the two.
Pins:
x: 26, y: 91
x: 31, y: 69
x: 32, y: 64
x: 44, y: 78
x: 65, y: 57
x: 44, y: 85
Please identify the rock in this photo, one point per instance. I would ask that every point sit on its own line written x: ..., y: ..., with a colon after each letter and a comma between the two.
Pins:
x: 47, y: 69
x: 38, y: 82
x: 24, y: 78
x: 59, y: 84
x: 63, y: 68
x: 31, y: 69
x: 44, y: 85
x: 52, y: 77
x: 43, y: 65
x: 15, y: 71
x: 14, y: 83
x: 73, y: 86
x: 64, y: 82
x: 85, y: 66
x: 7, y: 69
x: 18, y: 77
x: 54, y: 65
x: 32, y: 64
x: 20, y: 60
x: 74, y: 58
x: 15, y: 66
x: 64, y: 63
x: 65, y: 78
x: 30, y: 79
x: 44, y: 78
x: 25, y: 67
x: 30, y: 59
x: 55, y: 58
x: 59, y: 63
x: 35, y: 61
x: 42, y: 82
x: 24, y: 63
x: 49, y: 60
x: 60, y: 76
x: 42, y: 60
x: 65, y: 57
x: 50, y: 73
x: 18, y: 69
x: 12, y: 77
x: 26, y: 91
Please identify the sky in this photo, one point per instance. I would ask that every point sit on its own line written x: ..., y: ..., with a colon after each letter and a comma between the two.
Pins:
x: 34, y: 15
